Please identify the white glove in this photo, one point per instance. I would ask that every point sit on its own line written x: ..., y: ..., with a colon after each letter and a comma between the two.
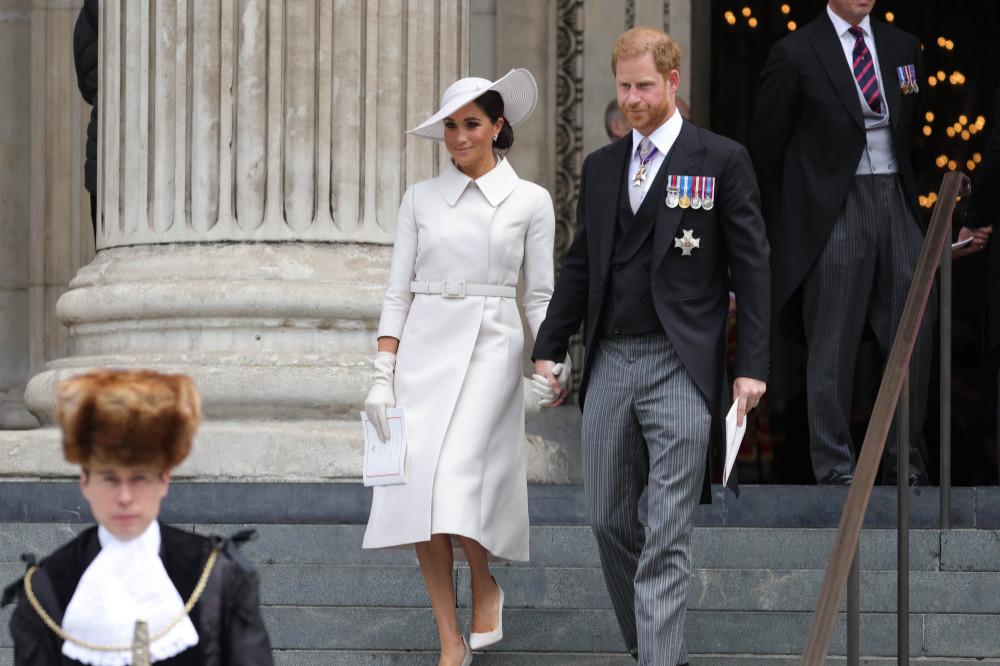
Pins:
x: 532, y: 404
x: 381, y: 397
x: 563, y: 371
x: 540, y: 385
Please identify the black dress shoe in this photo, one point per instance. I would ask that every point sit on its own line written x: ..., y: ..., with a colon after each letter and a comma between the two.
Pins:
x: 835, y: 478
x: 917, y: 480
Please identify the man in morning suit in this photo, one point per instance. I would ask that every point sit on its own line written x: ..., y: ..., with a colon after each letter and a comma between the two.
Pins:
x: 833, y: 115
x: 664, y: 215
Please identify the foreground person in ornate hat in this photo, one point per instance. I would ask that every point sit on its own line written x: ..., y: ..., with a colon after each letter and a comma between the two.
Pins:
x: 664, y: 215
x: 450, y: 347
x: 131, y: 590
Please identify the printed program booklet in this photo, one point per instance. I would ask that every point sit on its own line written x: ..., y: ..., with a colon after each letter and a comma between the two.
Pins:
x: 385, y: 462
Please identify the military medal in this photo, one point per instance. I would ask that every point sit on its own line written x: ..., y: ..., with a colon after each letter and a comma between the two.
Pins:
x: 685, y: 200
x: 708, y: 198
x: 640, y: 175
x: 673, y: 191
x: 697, y: 192
x: 687, y: 242
x: 907, y: 79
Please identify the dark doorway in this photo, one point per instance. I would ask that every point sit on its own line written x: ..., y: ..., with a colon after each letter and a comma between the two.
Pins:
x: 962, y: 62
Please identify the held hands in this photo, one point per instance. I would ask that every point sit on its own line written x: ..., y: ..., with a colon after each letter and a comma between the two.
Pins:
x: 532, y: 402
x: 381, y: 396
x: 550, y: 383
x: 749, y: 391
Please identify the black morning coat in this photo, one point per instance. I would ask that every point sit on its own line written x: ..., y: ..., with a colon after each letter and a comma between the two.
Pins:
x: 808, y: 127
x: 85, y: 60
x: 227, y: 616
x: 690, y: 293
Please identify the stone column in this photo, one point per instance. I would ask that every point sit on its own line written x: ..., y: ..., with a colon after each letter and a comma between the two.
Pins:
x: 251, y: 162
x: 44, y: 212
x: 15, y: 55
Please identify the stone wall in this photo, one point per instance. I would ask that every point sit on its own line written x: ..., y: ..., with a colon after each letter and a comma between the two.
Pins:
x: 251, y: 160
x: 44, y: 209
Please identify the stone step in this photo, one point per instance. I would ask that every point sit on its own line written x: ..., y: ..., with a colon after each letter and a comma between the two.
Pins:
x: 328, y: 601
x: 349, y: 503
x: 345, y: 658
x: 417, y: 658
x: 574, y: 546
x: 707, y: 632
x: 380, y: 630
x: 561, y: 588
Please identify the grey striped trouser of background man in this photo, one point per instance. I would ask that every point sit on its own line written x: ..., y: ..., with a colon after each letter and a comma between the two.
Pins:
x: 645, y: 421
x: 863, y: 272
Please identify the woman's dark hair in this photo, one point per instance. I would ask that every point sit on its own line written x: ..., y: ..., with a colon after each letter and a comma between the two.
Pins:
x: 491, y: 104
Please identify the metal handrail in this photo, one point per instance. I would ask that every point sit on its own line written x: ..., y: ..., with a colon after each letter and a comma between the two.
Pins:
x: 846, y: 542
x: 944, y: 465
x: 903, y: 522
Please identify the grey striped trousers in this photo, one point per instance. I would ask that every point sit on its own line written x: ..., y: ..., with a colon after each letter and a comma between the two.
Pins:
x: 863, y: 273
x: 645, y: 423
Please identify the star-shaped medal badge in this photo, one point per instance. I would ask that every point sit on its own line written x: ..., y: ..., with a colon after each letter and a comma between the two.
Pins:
x: 687, y: 242
x: 640, y: 176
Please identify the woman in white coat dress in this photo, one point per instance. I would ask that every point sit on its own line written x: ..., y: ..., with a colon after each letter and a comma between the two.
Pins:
x: 450, y: 347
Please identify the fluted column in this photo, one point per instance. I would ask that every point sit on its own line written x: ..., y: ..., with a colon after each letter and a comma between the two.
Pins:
x: 15, y: 291
x: 251, y: 161
x: 257, y: 120
x: 45, y: 233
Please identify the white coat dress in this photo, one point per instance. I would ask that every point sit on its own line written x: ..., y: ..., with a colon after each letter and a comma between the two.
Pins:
x: 459, y: 362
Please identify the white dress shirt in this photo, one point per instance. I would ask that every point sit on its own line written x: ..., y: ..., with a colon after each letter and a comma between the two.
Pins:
x: 663, y: 138
x: 880, y: 155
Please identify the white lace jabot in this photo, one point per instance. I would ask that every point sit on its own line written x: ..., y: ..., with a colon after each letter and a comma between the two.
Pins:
x: 125, y: 582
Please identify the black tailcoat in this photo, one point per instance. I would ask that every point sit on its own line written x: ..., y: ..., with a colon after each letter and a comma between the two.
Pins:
x: 808, y: 127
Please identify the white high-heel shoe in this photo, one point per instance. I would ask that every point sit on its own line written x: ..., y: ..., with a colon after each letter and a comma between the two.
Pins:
x: 486, y: 638
x: 467, y: 659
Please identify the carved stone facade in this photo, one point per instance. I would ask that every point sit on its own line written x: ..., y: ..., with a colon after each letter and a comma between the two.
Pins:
x: 251, y: 161
x: 44, y: 215
x: 288, y: 127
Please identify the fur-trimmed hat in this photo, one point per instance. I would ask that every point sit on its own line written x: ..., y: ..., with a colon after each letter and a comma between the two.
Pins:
x: 135, y: 418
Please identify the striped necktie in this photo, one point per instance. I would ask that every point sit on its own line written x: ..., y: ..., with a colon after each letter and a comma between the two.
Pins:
x: 864, y: 71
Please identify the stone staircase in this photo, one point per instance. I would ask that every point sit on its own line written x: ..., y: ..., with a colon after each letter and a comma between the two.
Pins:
x: 328, y: 602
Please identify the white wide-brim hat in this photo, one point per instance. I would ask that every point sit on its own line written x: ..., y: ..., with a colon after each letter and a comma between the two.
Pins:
x: 517, y: 88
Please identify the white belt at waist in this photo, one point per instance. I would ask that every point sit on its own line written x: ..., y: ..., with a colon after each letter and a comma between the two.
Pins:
x: 461, y: 289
